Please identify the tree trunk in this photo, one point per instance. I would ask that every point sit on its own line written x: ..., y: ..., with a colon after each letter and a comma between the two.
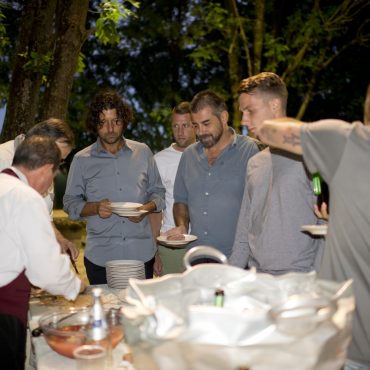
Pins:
x: 33, y: 44
x: 259, y: 33
x: 233, y: 56
x: 71, y: 34
x: 234, y: 76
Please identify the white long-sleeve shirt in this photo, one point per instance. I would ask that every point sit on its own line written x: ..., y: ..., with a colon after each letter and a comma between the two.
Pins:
x: 27, y: 240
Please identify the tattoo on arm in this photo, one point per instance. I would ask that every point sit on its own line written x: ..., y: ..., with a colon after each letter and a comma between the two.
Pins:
x: 292, y: 139
x: 269, y: 134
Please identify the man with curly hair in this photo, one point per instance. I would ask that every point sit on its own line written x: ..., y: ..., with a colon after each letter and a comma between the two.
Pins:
x: 113, y: 169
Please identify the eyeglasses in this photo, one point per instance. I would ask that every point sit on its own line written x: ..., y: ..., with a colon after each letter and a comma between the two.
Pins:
x: 113, y: 122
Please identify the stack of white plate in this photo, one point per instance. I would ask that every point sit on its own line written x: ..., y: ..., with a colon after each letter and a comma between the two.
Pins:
x: 127, y: 209
x: 120, y: 271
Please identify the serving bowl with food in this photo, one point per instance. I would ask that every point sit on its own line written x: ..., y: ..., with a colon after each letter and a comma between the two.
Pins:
x: 65, y: 330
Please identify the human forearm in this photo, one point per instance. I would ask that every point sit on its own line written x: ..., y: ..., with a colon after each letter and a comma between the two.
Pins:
x: 283, y: 133
x: 65, y: 244
x: 181, y: 215
x: 101, y: 208
x: 149, y: 206
x: 155, y: 220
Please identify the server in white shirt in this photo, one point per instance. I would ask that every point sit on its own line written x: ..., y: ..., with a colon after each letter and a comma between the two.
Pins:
x: 63, y: 136
x: 29, y: 251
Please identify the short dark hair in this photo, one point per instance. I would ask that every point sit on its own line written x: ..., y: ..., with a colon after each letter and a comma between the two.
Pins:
x: 36, y: 151
x: 267, y: 83
x: 105, y: 100
x: 208, y: 98
x: 54, y: 128
x: 182, y: 108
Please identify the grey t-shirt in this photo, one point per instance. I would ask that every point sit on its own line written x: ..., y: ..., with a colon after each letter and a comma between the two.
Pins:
x: 278, y: 200
x: 341, y: 153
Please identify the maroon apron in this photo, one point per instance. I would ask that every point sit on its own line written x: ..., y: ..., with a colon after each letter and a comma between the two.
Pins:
x: 14, y: 297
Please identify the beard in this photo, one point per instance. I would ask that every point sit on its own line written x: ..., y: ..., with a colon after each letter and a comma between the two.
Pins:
x: 110, y: 138
x: 209, y: 140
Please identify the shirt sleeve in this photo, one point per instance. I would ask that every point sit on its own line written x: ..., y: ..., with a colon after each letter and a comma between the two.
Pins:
x: 240, y: 251
x: 45, y: 266
x: 323, y: 144
x: 180, y: 193
x: 74, y: 196
x: 156, y: 190
x: 49, y: 201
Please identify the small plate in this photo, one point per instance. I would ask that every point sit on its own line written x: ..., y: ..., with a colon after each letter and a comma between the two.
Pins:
x: 125, y: 205
x: 129, y: 212
x: 176, y: 243
x: 315, y: 229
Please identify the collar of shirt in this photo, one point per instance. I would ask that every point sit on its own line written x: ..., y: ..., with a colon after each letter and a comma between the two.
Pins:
x: 127, y: 146
x: 200, y: 147
x: 20, y: 174
x: 18, y: 140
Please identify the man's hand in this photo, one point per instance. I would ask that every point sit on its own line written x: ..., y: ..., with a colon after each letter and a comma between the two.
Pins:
x: 148, y: 207
x: 104, y: 209
x: 176, y: 231
x: 322, y: 212
x: 65, y: 244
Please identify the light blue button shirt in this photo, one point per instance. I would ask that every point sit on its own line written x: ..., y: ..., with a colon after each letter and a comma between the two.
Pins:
x: 214, y: 193
x: 131, y: 175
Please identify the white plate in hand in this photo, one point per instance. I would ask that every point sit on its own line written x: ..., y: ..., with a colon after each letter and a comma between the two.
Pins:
x: 315, y: 229
x: 125, y: 205
x: 129, y: 212
x: 162, y: 239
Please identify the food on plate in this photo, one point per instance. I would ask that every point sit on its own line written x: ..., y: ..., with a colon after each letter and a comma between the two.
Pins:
x: 176, y: 237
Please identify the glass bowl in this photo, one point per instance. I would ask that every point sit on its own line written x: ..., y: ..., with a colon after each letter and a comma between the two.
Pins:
x: 65, y: 330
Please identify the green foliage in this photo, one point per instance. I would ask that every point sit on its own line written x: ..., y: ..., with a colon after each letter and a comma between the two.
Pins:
x: 4, y: 40
x: 80, y: 63
x: 110, y: 13
x: 39, y: 63
x: 276, y: 51
x: 208, y: 32
x: 166, y: 51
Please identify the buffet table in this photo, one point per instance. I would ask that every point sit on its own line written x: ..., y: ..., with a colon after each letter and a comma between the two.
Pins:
x: 42, y: 357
